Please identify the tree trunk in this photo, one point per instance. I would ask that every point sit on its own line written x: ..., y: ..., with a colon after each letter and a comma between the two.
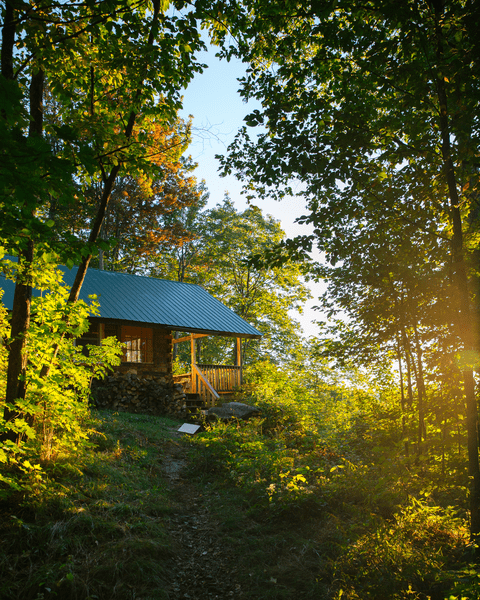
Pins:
x: 406, y: 347
x: 8, y: 40
x: 466, y: 320
x: 20, y: 322
x: 422, y: 432
x: 402, y: 396
x: 17, y: 356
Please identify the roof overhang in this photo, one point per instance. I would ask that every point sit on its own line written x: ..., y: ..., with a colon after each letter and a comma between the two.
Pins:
x: 159, y: 303
x: 173, y: 328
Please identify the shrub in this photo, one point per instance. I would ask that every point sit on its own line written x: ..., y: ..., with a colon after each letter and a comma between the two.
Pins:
x: 409, y: 558
x: 53, y: 419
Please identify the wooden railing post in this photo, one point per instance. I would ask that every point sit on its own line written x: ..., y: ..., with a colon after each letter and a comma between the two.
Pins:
x: 238, y: 363
x: 193, y: 363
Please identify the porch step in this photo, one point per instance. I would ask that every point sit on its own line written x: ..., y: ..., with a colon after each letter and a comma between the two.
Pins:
x: 194, y: 403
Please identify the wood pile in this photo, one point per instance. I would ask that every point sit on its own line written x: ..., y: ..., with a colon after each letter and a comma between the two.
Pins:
x: 146, y: 393
x: 185, y: 379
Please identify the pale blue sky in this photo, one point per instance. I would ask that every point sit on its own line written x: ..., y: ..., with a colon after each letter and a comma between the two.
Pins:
x: 218, y: 112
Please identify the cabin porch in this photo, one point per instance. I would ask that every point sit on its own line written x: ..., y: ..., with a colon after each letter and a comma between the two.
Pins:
x: 207, y: 381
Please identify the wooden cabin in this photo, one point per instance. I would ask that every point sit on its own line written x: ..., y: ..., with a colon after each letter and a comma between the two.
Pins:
x: 143, y: 313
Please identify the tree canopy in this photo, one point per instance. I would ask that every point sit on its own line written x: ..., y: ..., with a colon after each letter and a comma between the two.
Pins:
x: 218, y: 257
x: 373, y: 107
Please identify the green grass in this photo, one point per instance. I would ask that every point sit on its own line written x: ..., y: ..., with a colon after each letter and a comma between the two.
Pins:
x: 298, y: 513
x: 97, y: 535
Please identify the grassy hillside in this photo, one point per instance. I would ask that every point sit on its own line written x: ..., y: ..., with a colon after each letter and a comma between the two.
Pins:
x: 315, y: 499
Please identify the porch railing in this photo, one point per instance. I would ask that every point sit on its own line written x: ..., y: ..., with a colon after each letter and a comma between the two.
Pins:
x: 202, y: 387
x: 211, y: 380
x: 223, y: 378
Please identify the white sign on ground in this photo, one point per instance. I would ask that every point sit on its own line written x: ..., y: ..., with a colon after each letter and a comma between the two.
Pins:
x: 189, y: 428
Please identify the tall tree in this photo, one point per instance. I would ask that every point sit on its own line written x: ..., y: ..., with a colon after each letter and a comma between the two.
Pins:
x: 110, y: 68
x: 261, y: 295
x: 373, y: 107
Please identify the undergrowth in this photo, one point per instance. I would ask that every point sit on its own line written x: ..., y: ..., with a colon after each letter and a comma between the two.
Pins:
x: 315, y: 499
x: 98, y: 532
x: 333, y: 466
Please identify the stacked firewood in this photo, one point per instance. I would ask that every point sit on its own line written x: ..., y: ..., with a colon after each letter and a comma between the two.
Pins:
x: 145, y: 393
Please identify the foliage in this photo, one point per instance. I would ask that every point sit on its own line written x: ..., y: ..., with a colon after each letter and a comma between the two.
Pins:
x: 4, y: 331
x: 370, y: 111
x: 332, y: 457
x: 140, y: 219
x: 352, y: 111
x: 291, y: 455
x: 324, y: 514
x: 88, y: 534
x: 410, y: 557
x: 218, y: 259
x: 107, y: 69
x: 181, y: 259
x: 262, y: 296
x: 53, y: 419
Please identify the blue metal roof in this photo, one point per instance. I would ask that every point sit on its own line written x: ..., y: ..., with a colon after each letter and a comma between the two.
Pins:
x: 173, y: 305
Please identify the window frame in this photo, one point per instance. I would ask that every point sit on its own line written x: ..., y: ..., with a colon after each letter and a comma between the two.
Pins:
x: 141, y: 338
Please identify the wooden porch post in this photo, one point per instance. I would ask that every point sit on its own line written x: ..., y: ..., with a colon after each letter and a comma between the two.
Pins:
x: 238, y: 359
x: 194, y: 362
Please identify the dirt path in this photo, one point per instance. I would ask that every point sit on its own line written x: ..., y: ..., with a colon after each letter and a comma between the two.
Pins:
x: 204, y: 569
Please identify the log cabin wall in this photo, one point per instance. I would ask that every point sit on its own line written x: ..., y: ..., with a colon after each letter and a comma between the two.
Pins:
x: 143, y: 382
x: 155, y: 355
x: 163, y: 351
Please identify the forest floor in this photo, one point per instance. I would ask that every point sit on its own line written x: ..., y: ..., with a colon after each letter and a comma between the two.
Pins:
x: 142, y: 519
x: 204, y: 568
x: 152, y: 514
x: 221, y: 551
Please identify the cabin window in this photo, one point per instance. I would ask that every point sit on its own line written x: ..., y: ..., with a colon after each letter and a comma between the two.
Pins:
x: 139, y: 344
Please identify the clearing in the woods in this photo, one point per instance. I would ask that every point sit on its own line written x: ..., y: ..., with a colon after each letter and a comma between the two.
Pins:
x: 143, y: 523
x: 158, y: 515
